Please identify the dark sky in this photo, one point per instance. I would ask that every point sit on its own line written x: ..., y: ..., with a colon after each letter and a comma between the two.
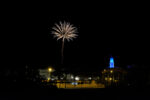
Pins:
x: 121, y: 33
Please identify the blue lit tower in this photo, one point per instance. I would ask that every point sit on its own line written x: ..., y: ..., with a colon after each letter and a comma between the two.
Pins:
x: 111, y: 63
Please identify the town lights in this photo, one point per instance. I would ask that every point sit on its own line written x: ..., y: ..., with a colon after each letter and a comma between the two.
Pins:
x: 111, y: 71
x: 77, y: 78
x: 72, y: 77
x: 50, y: 69
x: 110, y: 78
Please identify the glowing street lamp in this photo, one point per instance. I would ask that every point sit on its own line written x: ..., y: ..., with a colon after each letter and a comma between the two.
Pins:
x: 77, y: 78
x: 50, y: 70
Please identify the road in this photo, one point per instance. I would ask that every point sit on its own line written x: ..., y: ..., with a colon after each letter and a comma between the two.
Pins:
x: 107, y: 94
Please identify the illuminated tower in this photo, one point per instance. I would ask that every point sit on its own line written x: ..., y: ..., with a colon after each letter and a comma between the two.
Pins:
x: 111, y: 63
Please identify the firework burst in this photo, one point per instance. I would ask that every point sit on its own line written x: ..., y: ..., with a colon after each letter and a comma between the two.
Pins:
x: 64, y: 31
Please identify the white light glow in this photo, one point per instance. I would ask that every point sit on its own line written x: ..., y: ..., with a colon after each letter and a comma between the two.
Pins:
x: 77, y: 78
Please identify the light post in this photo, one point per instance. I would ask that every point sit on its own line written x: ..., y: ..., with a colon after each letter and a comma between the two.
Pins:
x: 50, y: 70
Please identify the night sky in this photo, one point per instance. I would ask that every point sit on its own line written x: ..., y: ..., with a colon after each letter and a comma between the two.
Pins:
x: 121, y: 33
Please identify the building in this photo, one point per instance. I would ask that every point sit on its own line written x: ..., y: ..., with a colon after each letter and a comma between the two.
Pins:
x: 113, y: 76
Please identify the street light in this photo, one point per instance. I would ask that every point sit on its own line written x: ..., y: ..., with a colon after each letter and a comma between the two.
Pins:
x: 50, y: 70
x: 77, y: 78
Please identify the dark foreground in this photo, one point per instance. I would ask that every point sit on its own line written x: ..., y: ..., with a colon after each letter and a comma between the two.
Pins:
x: 98, y: 94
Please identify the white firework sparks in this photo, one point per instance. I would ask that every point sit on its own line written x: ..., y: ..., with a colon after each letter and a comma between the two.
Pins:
x: 64, y: 31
